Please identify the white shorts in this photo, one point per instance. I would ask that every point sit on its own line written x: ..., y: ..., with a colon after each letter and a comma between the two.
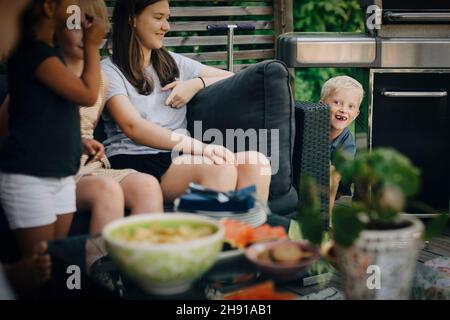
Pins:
x: 30, y: 201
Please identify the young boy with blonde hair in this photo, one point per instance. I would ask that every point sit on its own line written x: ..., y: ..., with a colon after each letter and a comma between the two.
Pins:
x: 343, y: 95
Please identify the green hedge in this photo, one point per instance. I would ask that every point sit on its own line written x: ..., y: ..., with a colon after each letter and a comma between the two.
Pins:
x: 323, y: 16
x: 328, y: 16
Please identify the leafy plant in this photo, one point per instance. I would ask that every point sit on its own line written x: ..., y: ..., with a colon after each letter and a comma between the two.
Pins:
x: 309, y: 210
x: 383, y: 181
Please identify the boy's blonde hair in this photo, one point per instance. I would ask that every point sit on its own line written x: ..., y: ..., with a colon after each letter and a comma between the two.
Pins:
x: 95, y: 8
x: 340, y: 82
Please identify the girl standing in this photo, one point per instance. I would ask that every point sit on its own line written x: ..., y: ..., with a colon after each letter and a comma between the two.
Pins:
x: 42, y: 152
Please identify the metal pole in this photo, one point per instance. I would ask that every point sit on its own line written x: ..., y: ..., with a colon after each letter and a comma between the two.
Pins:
x: 231, y: 28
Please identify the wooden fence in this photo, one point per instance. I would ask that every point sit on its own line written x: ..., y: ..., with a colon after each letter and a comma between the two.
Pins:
x: 190, y: 37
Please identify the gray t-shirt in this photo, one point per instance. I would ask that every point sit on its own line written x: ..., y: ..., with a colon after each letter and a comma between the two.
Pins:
x: 152, y: 107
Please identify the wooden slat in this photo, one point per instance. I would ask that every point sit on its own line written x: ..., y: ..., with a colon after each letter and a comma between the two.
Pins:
x: 216, y: 40
x: 210, y: 40
x: 201, y: 25
x: 438, y: 246
x: 219, y: 1
x: 238, y: 55
x: 220, y: 11
x: 189, y: 26
x: 216, y: 11
x: 283, y: 16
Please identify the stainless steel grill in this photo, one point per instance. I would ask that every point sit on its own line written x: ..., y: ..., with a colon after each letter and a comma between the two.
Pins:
x: 406, y: 47
x: 406, y: 35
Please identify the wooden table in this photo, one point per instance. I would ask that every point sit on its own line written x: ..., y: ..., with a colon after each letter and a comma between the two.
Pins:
x: 321, y: 283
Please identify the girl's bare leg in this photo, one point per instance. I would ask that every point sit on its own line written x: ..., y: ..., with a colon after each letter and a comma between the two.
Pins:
x: 62, y: 225
x: 142, y: 193
x: 104, y: 197
x: 28, y: 238
x: 196, y: 169
x: 31, y: 272
x: 254, y: 168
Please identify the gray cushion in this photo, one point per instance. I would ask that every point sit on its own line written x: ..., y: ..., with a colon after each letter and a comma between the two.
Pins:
x: 258, y: 97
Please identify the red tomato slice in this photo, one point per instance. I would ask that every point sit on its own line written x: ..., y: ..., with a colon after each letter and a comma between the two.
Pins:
x: 236, y: 233
x: 266, y: 232
x: 262, y: 291
x: 240, y: 235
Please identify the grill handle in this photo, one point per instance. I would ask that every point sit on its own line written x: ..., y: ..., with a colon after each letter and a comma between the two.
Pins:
x: 417, y: 16
x: 414, y: 94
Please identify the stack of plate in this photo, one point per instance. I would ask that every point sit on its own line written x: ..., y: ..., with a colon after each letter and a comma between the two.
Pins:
x: 254, y: 217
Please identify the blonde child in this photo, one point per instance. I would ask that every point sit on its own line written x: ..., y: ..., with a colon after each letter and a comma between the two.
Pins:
x: 343, y: 95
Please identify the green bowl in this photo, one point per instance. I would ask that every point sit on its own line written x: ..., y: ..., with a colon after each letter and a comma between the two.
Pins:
x: 164, y: 268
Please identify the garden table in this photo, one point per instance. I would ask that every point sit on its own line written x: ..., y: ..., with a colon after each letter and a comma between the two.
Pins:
x: 321, y: 282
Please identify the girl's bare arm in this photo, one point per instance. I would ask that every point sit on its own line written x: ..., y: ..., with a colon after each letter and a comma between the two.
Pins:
x: 84, y: 90
x: 145, y: 132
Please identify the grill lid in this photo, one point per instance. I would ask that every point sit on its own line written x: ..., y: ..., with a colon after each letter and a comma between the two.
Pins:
x: 414, y: 18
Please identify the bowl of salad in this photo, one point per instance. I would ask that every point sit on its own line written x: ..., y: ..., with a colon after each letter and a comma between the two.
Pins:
x: 164, y: 253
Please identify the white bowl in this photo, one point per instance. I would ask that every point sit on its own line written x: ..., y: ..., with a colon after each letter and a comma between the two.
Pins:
x: 164, y: 268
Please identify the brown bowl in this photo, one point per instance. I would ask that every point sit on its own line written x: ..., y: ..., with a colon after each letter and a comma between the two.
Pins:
x: 262, y: 255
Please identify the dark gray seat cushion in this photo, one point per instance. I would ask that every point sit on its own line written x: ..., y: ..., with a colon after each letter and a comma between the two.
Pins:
x: 259, y: 98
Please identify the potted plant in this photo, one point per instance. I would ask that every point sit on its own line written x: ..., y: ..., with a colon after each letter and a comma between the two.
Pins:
x: 376, y: 246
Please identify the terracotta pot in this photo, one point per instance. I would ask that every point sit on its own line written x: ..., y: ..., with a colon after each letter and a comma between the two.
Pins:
x: 381, y: 263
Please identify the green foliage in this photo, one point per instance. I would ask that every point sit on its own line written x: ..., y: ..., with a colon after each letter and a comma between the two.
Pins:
x: 309, y: 205
x: 381, y: 167
x: 383, y: 179
x: 436, y: 226
x: 323, y: 16
x: 348, y: 222
x: 328, y: 16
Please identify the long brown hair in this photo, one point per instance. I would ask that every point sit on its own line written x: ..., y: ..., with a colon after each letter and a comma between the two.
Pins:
x: 127, y: 53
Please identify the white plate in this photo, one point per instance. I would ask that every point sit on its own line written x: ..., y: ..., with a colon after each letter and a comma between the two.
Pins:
x: 230, y: 255
x: 255, y: 221
x: 230, y: 213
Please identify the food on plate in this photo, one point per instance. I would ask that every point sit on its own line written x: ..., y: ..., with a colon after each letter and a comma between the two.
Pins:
x: 285, y: 253
x: 262, y: 291
x: 236, y: 233
x: 266, y: 232
x: 163, y: 232
x: 241, y: 235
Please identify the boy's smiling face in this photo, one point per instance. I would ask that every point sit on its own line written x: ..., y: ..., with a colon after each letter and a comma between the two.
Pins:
x: 344, y: 108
